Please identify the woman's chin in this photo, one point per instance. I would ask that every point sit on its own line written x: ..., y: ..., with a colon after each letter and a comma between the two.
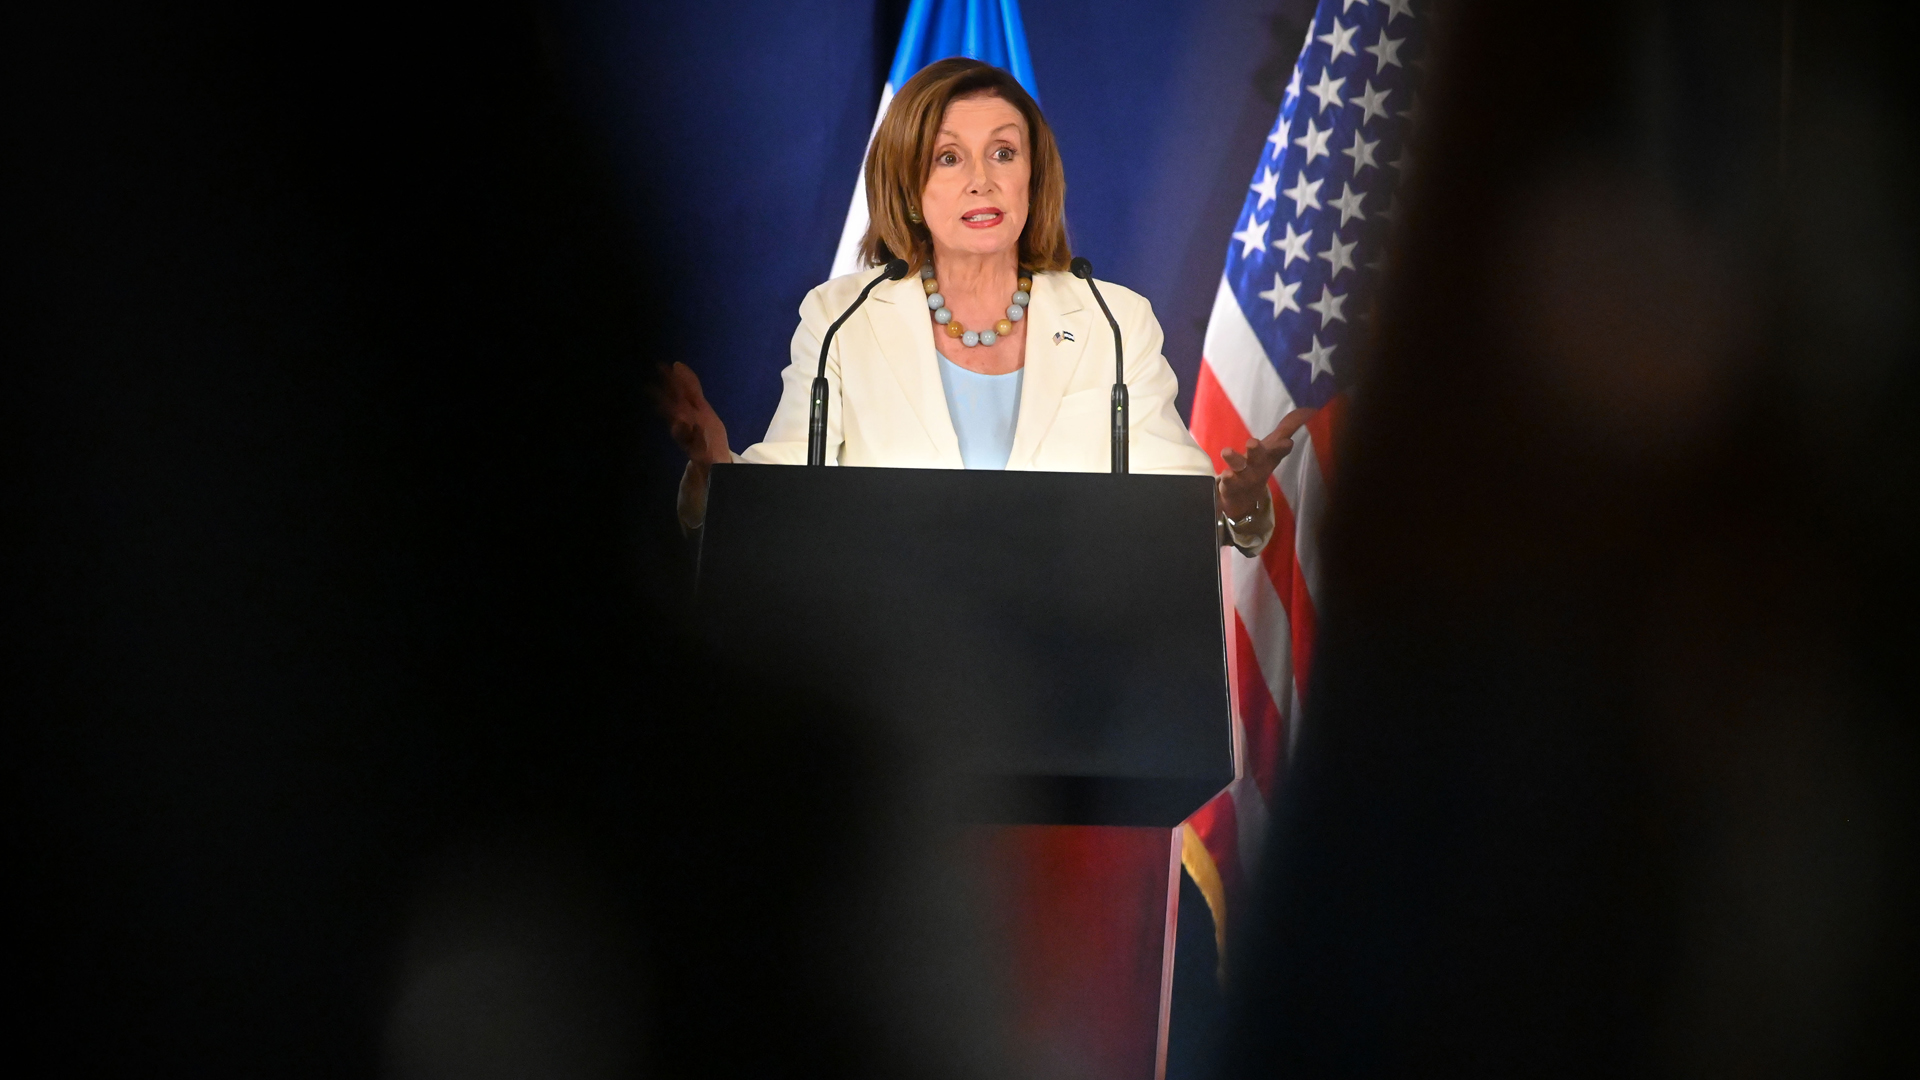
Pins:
x: 981, y: 242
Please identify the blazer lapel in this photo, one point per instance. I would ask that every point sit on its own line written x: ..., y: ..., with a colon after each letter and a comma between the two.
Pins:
x: 1057, y: 331
x: 898, y: 315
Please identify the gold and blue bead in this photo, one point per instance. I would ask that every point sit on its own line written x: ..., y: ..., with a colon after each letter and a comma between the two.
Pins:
x: 942, y: 314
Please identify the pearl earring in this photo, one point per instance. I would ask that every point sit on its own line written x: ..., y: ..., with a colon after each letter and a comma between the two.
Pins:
x: 913, y: 214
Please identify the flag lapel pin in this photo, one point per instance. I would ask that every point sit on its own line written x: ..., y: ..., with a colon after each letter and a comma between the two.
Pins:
x: 1062, y: 335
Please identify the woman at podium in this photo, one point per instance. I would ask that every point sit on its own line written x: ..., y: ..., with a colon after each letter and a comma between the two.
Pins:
x: 986, y: 355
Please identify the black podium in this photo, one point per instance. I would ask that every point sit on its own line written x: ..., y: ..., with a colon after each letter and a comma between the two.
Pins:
x: 1053, y: 640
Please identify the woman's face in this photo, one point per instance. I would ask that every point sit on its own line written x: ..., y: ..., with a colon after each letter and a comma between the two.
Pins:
x: 975, y: 201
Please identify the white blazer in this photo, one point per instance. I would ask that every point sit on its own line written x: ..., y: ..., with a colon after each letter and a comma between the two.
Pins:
x: 887, y: 406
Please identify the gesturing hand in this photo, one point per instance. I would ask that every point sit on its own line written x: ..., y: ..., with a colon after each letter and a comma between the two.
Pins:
x: 694, y: 424
x: 1241, y: 485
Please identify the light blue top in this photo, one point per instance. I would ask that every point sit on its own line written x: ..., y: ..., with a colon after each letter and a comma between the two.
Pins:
x: 983, y: 408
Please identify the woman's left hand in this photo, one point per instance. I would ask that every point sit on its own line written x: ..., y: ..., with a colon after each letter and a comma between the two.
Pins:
x: 1239, y: 488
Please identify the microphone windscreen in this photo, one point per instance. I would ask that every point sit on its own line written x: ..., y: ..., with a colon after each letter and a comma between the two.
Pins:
x: 896, y: 269
x: 1081, y: 268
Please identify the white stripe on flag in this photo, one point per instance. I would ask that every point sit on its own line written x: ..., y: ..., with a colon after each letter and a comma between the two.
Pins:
x: 846, y: 259
x: 1288, y: 475
x: 1241, y: 367
x: 1309, y: 502
x: 1249, y: 819
x: 1228, y: 556
x: 1260, y: 610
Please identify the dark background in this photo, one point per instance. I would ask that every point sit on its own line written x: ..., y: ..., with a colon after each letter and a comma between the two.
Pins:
x: 340, y: 624
x: 342, y: 588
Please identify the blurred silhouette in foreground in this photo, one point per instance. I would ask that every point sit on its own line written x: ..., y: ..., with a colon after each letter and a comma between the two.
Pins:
x: 355, y: 732
x: 1607, y: 765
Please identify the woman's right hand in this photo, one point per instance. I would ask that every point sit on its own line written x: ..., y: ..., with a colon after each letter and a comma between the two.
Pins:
x: 694, y: 424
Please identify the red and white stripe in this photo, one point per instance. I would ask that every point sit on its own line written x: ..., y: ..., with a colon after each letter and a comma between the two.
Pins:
x: 1271, y: 606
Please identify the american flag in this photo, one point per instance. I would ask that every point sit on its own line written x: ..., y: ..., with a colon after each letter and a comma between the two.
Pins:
x: 1300, y: 269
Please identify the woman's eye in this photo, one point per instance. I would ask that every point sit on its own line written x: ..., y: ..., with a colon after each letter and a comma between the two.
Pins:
x: 949, y: 159
x: 1005, y: 153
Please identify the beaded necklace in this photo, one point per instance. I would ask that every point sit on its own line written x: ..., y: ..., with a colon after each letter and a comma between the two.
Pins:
x: 944, y: 315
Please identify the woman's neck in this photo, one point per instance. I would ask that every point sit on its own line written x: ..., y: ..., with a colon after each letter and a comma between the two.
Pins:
x: 975, y: 279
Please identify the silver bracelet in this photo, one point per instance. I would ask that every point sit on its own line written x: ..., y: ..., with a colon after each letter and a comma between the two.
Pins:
x: 1241, y: 523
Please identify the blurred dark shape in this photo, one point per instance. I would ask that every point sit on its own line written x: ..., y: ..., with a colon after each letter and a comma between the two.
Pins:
x: 1608, y: 762
x: 516, y: 965
x: 352, y: 725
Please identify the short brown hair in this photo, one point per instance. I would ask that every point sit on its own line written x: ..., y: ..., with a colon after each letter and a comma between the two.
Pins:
x: 902, y: 156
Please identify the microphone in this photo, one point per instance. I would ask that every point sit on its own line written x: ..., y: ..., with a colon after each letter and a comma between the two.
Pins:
x: 1083, y: 270
x: 817, y: 411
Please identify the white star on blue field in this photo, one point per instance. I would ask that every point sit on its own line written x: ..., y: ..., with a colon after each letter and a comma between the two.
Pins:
x: 1316, y: 213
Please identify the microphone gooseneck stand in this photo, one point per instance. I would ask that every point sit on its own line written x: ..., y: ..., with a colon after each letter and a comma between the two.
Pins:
x: 1083, y: 270
x: 817, y: 410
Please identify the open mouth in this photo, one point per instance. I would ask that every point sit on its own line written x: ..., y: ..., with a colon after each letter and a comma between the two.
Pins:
x: 984, y: 218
